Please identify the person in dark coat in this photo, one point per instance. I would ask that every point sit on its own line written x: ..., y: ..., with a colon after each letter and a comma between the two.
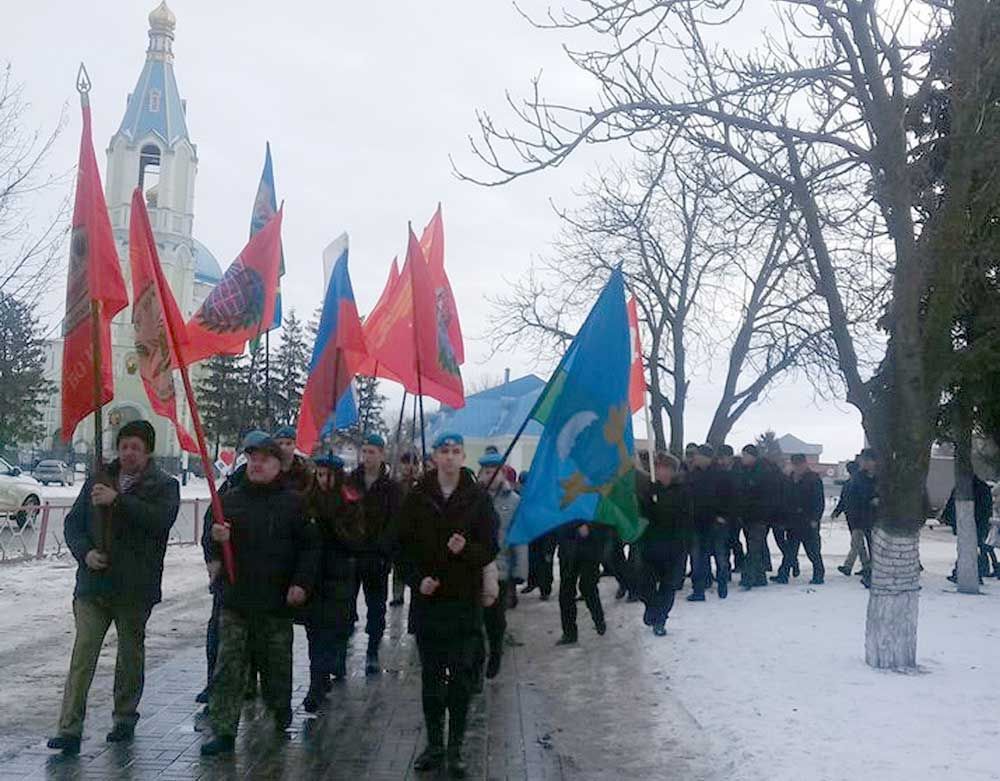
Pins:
x: 711, y: 501
x: 860, y: 544
x: 335, y: 509
x: 409, y: 468
x: 805, y: 503
x: 665, y: 542
x: 378, y: 548
x: 214, y: 567
x: 541, y: 557
x: 276, y: 551
x: 118, y: 577
x: 862, y: 501
x: 582, y: 548
x: 731, y: 468
x: 759, y: 491
x: 447, y: 535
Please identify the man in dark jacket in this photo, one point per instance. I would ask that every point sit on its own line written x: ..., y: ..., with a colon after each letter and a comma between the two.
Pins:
x: 982, y: 512
x: 276, y: 553
x: 120, y: 568
x: 711, y: 501
x: 296, y: 471
x: 804, y: 509
x: 665, y: 542
x: 541, y: 557
x: 862, y: 501
x: 214, y: 567
x: 860, y: 545
x: 758, y: 494
x: 447, y: 534
x: 380, y: 511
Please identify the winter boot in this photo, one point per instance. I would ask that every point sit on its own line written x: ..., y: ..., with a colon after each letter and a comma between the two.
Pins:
x: 340, y: 663
x: 568, y: 638
x: 493, y: 665
x: 432, y: 757
x: 222, y: 744
x: 844, y: 570
x: 315, y: 694
x: 660, y: 630
x: 69, y: 745
x: 121, y: 733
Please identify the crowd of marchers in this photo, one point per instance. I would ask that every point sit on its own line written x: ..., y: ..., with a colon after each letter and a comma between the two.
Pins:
x: 708, y: 516
x: 308, y: 537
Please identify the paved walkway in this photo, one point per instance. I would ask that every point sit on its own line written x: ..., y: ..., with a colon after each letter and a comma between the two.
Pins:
x: 601, y: 710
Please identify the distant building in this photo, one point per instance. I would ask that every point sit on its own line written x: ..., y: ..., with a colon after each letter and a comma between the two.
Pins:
x: 151, y: 150
x: 791, y: 445
x: 493, y: 417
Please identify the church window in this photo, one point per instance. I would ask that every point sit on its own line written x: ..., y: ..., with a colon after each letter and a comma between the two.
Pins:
x: 154, y: 100
x: 149, y: 165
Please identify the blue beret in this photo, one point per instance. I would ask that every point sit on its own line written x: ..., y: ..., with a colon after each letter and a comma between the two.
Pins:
x: 253, y: 439
x: 491, y: 459
x: 285, y: 432
x: 448, y: 438
x: 330, y: 461
x: 375, y: 441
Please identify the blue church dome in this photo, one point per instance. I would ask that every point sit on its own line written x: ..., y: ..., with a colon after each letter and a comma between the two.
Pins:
x: 206, y: 267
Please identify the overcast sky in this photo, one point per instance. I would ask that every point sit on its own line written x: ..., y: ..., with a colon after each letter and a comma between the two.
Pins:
x: 362, y: 103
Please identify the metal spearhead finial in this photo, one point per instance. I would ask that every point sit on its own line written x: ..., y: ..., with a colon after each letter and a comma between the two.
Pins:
x: 83, y: 82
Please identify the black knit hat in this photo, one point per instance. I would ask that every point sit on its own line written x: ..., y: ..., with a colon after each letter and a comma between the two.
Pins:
x: 142, y: 429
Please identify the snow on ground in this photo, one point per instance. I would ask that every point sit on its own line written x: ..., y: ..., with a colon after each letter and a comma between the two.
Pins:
x: 778, y: 676
x: 36, y: 635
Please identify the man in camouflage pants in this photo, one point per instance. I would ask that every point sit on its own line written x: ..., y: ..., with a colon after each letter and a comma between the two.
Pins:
x: 276, y: 554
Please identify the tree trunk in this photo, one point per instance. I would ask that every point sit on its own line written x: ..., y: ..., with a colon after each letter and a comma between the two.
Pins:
x: 965, y: 505
x: 891, y: 630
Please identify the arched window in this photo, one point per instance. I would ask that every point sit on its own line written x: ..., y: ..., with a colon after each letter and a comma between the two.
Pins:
x: 149, y: 164
x: 154, y: 101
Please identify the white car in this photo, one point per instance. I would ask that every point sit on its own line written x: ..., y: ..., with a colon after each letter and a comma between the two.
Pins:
x: 18, y: 490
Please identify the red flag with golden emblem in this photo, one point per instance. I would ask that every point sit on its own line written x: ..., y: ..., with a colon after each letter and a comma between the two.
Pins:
x: 432, y: 244
x: 158, y: 323
x: 95, y: 292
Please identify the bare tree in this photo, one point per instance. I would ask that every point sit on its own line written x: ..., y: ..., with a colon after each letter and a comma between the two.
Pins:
x: 29, y: 253
x: 821, y: 111
x: 709, y: 275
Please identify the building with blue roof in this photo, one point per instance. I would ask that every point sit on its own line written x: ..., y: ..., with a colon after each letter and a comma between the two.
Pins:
x: 493, y: 417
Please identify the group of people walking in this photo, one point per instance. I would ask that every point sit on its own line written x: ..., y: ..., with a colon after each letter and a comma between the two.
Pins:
x: 307, y: 537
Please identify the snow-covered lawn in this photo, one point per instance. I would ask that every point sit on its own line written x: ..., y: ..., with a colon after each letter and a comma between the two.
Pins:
x: 778, y: 677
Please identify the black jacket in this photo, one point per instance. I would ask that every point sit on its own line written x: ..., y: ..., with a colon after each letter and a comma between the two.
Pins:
x: 593, y: 547
x: 381, y: 506
x: 274, y: 546
x: 759, y: 493
x: 982, y: 508
x: 141, y: 519
x: 860, y: 508
x: 337, y: 517
x: 805, y: 500
x: 711, y: 495
x: 669, y: 510
x: 427, y: 522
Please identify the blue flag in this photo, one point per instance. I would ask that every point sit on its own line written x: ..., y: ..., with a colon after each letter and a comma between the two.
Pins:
x: 583, y: 469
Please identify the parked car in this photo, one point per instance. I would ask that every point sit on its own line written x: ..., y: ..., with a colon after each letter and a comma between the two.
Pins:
x: 52, y: 471
x: 17, y: 491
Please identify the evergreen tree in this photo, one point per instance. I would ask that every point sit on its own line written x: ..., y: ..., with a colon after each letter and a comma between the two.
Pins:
x: 289, y: 369
x: 767, y: 444
x: 23, y: 387
x: 371, y: 412
x: 221, y: 391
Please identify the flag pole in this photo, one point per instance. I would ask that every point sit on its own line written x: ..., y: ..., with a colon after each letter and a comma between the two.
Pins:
x: 83, y: 85
x: 649, y: 435
x: 420, y: 396
x: 267, y: 380
x: 399, y: 433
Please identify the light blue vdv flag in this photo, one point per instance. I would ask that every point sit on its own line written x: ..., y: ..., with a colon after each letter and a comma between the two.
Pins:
x: 583, y: 469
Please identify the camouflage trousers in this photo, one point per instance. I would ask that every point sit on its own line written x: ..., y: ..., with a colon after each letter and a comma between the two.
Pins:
x: 272, y: 648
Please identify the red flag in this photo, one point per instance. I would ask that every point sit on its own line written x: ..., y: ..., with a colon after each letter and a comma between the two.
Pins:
x: 244, y: 298
x: 637, y: 381
x: 436, y: 362
x: 375, y: 329
x: 432, y: 244
x: 95, y: 283
x: 157, y: 321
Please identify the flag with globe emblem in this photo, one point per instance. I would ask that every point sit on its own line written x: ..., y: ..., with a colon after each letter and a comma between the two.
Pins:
x: 583, y: 469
